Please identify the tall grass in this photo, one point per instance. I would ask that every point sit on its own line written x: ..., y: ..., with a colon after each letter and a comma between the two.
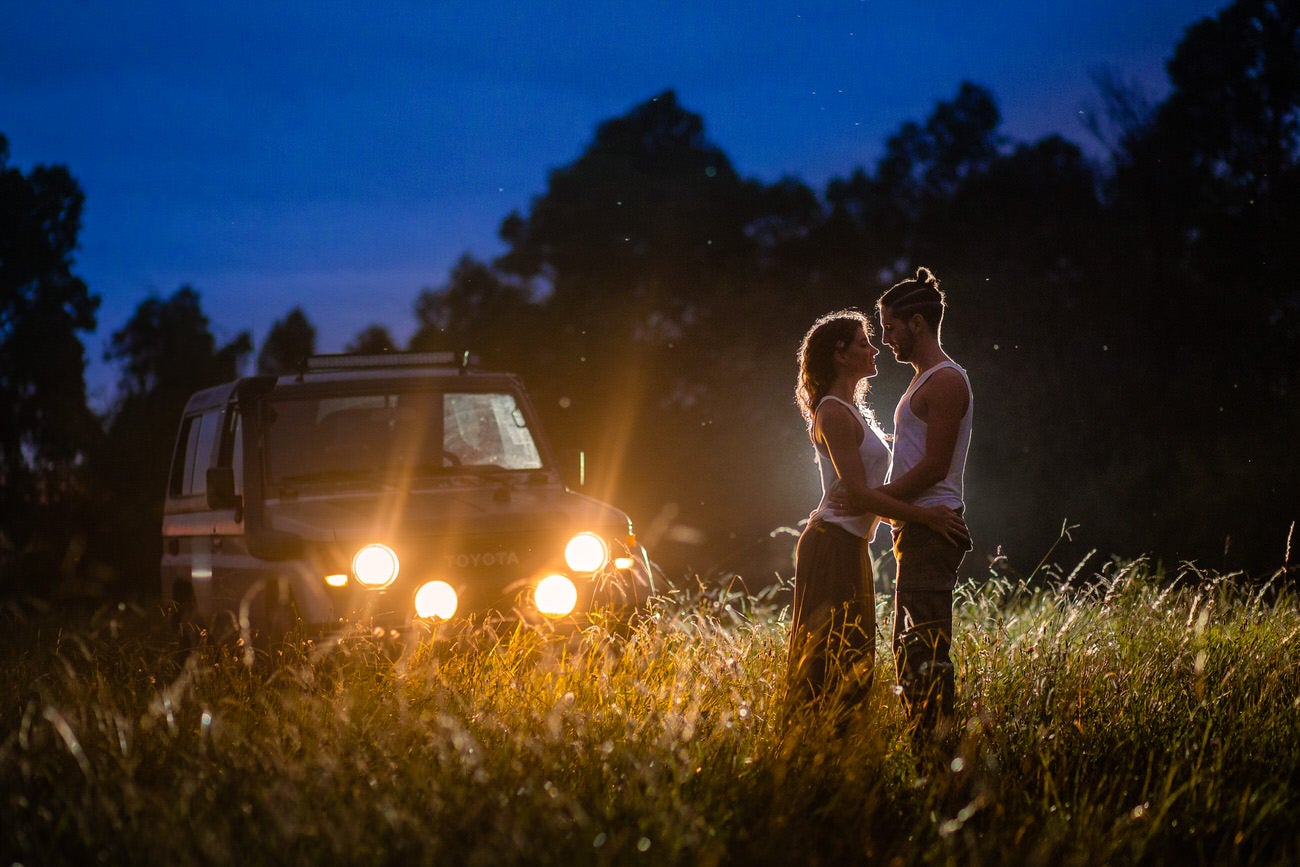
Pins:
x: 1138, y: 717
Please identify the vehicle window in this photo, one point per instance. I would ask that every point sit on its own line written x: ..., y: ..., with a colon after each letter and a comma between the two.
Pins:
x: 359, y: 437
x: 184, y: 446
x: 237, y: 456
x: 232, y: 447
x: 194, y: 453
x: 488, y: 429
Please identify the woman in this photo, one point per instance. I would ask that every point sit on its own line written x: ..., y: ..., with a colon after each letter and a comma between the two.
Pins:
x: 833, y: 633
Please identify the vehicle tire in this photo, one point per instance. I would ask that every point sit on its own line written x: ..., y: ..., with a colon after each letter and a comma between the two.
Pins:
x: 280, y: 630
x: 187, y: 632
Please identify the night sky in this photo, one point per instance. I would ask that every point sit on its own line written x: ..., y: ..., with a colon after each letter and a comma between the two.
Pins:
x: 341, y: 156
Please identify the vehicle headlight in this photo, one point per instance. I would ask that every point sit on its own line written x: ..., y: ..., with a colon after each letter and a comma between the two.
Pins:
x: 375, y: 566
x: 436, y: 600
x: 555, y: 596
x: 586, y: 552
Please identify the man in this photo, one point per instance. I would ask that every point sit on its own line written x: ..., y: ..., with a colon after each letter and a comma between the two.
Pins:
x: 932, y: 427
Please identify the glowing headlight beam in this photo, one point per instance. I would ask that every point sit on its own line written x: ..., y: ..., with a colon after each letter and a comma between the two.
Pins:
x: 555, y: 596
x: 436, y: 600
x: 586, y: 552
x: 375, y: 566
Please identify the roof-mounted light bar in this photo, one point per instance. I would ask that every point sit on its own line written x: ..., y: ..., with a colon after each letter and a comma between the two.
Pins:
x: 347, y: 361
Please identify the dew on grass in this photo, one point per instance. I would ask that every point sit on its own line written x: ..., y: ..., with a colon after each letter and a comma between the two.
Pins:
x: 64, y: 728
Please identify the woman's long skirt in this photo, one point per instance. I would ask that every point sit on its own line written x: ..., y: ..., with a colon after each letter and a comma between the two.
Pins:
x: 833, y: 625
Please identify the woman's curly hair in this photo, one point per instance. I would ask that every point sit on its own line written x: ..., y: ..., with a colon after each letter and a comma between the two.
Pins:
x: 829, y: 334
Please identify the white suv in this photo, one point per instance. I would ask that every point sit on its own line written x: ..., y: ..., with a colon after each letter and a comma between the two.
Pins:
x: 376, y: 491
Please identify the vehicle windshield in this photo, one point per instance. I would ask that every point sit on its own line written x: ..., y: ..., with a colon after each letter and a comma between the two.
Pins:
x: 364, y: 438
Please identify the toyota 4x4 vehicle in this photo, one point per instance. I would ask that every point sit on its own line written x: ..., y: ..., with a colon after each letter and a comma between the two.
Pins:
x: 378, y: 490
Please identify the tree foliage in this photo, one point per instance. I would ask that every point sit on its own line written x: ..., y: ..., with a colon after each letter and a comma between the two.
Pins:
x: 166, y: 352
x: 1131, y: 326
x: 45, y: 424
x: 1205, y: 205
x: 654, y: 262
x: 672, y: 293
x: 287, y: 344
x: 370, y: 340
x: 476, y: 307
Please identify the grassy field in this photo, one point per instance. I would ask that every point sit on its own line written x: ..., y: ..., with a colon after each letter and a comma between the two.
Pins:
x: 1140, y: 719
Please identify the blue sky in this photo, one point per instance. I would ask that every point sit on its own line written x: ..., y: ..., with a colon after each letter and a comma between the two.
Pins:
x: 341, y: 155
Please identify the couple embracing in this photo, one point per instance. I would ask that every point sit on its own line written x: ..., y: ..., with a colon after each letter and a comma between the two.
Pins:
x: 917, y: 487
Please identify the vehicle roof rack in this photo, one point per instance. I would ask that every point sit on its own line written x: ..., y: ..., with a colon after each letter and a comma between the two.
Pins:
x: 461, y: 361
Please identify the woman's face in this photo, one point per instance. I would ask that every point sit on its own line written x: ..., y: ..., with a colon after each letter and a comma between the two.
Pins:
x: 859, y: 357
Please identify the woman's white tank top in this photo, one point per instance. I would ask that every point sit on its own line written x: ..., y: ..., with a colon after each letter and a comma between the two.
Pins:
x: 875, y: 460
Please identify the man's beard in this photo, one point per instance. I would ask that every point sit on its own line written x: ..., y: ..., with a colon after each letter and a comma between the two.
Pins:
x: 903, y: 351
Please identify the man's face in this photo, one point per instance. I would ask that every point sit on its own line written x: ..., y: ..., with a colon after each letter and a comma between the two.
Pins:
x: 895, y: 334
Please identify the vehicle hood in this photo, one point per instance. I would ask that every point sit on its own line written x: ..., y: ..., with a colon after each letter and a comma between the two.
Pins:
x: 459, y: 512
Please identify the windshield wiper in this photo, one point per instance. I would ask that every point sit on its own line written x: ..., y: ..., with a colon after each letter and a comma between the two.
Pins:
x: 503, y: 478
x: 482, y: 470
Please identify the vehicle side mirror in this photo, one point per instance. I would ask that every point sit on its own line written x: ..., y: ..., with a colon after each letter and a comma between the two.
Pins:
x: 573, y: 468
x: 221, y: 488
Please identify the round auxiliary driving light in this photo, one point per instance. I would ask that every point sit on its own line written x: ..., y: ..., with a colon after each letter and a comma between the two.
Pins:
x: 375, y: 566
x: 436, y: 600
x: 555, y: 596
x: 586, y: 552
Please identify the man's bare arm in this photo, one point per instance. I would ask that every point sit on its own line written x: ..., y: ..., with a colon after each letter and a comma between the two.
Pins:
x: 835, y: 426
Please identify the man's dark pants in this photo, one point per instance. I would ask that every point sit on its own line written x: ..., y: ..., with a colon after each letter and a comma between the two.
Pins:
x: 927, y: 574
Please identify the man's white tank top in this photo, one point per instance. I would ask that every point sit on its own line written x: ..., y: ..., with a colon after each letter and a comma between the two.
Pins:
x: 909, y: 445
x: 875, y: 460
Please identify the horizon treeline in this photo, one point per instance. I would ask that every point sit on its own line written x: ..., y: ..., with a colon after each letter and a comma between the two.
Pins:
x: 1131, y: 326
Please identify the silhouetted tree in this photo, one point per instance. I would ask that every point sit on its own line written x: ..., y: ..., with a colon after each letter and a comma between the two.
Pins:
x: 166, y: 351
x: 671, y: 294
x: 876, y: 218
x: 1132, y: 329
x: 45, y: 424
x: 480, y: 310
x: 653, y: 261
x: 370, y: 340
x: 649, y: 194
x: 1020, y: 246
x: 1206, y: 204
x: 289, y: 341
x: 1125, y: 110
